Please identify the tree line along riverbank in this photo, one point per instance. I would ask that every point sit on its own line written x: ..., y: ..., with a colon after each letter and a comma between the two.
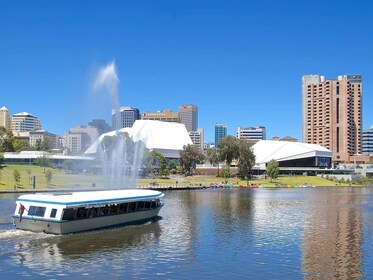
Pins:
x: 28, y: 174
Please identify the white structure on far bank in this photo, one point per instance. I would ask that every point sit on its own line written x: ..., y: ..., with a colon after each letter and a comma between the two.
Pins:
x: 291, y: 154
x: 166, y: 137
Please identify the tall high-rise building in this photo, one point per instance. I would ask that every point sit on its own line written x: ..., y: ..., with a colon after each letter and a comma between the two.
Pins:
x: 197, y: 138
x: 72, y: 142
x: 252, y: 133
x: 165, y: 116
x: 127, y: 116
x: 367, y: 142
x: 189, y: 116
x: 101, y: 125
x: 5, y: 119
x: 332, y: 114
x: 220, y: 132
x: 24, y: 121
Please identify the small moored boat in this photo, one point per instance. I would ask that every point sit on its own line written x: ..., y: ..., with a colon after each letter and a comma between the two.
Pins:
x: 61, y: 213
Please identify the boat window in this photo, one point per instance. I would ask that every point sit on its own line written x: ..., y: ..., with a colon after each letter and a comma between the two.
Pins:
x: 132, y: 206
x: 103, y: 211
x: 123, y: 208
x: 113, y: 209
x: 92, y: 213
x: 69, y: 214
x: 82, y: 213
x: 36, y: 211
x: 53, y: 213
x: 147, y: 205
x: 140, y: 205
x: 153, y: 204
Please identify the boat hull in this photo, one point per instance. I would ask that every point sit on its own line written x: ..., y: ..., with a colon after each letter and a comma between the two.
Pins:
x: 65, y: 227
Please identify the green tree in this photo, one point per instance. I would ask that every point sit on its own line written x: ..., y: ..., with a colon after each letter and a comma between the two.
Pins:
x: 1, y: 174
x: 147, y: 161
x: 110, y: 144
x: 272, y: 169
x: 228, y: 149
x: 246, y: 160
x: 212, y: 157
x: 17, y: 176
x: 45, y: 144
x: 158, y: 163
x: 38, y: 144
x: 163, y: 166
x: 162, y: 163
x: 43, y: 162
x: 179, y: 169
x: 225, y: 172
x: 164, y: 173
x: 20, y: 145
x: 190, y: 155
x: 172, y: 165
x: 6, y: 140
x: 48, y: 177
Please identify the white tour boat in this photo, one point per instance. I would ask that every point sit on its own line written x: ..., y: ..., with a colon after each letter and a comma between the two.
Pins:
x: 61, y: 213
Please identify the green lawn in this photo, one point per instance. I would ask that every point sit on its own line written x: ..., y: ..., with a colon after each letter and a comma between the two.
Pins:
x: 207, y: 180
x: 59, y: 178
x: 63, y: 180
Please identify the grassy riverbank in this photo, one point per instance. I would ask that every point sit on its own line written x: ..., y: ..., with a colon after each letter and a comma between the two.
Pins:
x: 207, y: 180
x: 59, y: 178
x: 62, y: 180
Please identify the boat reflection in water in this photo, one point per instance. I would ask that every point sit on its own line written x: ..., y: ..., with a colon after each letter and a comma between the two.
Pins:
x: 40, y: 251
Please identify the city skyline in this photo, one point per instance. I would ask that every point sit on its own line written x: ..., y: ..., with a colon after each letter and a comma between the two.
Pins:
x: 240, y: 63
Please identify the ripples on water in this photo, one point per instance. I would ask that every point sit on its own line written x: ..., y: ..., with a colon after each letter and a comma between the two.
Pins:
x: 235, y: 233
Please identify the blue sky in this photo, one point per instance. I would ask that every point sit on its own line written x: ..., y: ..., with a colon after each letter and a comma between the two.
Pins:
x: 240, y: 62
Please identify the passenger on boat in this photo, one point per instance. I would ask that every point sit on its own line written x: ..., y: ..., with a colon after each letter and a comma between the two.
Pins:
x: 92, y: 213
x: 82, y: 213
x: 103, y: 211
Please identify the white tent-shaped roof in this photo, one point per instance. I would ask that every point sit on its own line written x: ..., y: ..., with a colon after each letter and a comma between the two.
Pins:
x: 266, y: 150
x: 167, y: 138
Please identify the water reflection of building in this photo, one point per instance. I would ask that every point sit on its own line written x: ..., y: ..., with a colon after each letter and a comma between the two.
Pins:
x: 332, y: 238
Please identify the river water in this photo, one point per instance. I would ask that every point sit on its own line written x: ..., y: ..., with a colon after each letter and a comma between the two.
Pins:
x: 316, y: 233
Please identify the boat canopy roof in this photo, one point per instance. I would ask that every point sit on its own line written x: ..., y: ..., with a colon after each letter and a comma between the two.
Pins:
x: 74, y: 199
